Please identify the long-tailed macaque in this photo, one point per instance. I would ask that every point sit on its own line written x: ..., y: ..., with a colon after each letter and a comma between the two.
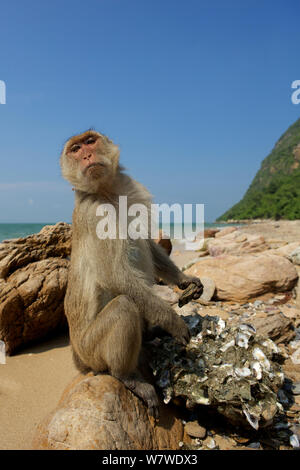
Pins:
x: 109, y: 302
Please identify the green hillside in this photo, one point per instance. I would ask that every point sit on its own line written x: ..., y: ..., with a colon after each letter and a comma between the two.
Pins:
x: 275, y: 190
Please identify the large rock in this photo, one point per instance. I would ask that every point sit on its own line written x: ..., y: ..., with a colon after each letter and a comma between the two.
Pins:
x: 31, y: 302
x: 285, y: 250
x: 33, y: 280
x: 225, y: 231
x: 53, y: 241
x: 210, y: 232
x: 241, y: 278
x: 236, y: 243
x: 98, y: 412
x: 274, y: 326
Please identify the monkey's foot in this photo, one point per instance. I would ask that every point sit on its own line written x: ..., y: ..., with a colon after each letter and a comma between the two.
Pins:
x: 143, y: 390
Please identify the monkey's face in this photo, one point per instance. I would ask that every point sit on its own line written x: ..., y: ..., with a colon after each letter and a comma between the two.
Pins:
x: 90, y: 161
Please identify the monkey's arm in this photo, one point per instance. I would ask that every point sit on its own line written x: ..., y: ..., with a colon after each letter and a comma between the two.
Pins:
x: 166, y: 270
x: 127, y: 280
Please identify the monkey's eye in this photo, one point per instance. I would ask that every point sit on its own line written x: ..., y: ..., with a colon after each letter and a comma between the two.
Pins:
x: 75, y: 148
x: 90, y: 140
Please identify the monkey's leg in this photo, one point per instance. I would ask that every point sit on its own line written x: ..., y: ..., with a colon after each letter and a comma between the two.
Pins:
x: 79, y: 364
x: 138, y: 385
x: 116, y: 338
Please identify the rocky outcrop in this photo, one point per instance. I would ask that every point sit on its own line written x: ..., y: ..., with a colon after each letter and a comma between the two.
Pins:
x: 31, y: 302
x: 286, y: 250
x: 34, y: 272
x: 53, y: 241
x: 225, y: 231
x: 98, y: 412
x: 241, y: 278
x: 210, y: 232
x: 236, y: 242
x: 295, y: 256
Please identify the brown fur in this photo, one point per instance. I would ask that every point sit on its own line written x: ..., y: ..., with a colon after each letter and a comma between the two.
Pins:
x: 109, y: 300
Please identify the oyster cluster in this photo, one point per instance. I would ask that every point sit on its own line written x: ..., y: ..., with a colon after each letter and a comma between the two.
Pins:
x: 230, y: 368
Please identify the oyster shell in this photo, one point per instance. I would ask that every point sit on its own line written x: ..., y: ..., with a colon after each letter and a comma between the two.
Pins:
x: 231, y: 369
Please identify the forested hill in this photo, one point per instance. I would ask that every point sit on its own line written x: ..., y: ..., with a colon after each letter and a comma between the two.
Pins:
x: 275, y: 190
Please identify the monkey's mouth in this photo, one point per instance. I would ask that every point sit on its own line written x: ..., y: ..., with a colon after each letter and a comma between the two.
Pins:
x: 93, y: 165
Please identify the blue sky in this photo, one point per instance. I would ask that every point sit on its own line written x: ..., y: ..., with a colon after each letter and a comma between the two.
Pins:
x: 196, y: 93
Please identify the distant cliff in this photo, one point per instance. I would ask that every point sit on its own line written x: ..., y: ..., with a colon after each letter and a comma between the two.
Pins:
x: 275, y: 190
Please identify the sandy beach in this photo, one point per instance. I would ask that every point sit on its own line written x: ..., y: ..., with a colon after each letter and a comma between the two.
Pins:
x: 31, y: 385
x: 33, y: 380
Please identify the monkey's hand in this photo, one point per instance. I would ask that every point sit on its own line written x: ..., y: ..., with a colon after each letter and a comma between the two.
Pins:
x: 195, y: 285
x: 179, y: 330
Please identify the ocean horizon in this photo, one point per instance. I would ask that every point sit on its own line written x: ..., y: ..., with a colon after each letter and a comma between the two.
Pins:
x: 20, y: 230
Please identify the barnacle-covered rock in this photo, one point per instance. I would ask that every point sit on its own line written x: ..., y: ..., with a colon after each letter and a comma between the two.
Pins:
x: 231, y: 369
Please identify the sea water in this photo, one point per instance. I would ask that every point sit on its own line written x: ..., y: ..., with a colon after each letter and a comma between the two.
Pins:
x: 8, y: 231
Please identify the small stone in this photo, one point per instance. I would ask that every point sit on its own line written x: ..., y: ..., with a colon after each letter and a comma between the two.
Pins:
x: 188, y: 309
x: 166, y: 293
x: 245, y: 315
x: 194, y: 429
x: 2, y: 353
x: 254, y: 445
x: 279, y: 297
x: 295, y: 256
x: 209, y: 443
x: 294, y: 344
x: 272, y: 310
x: 295, y: 357
x: 209, y: 288
x: 295, y: 388
x: 296, y: 430
x: 241, y: 439
x: 283, y: 399
x: 225, y: 442
x: 281, y: 425
x: 294, y: 441
x: 290, y: 312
